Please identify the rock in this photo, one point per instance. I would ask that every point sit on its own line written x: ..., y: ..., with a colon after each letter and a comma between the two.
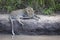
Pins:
x: 46, y: 25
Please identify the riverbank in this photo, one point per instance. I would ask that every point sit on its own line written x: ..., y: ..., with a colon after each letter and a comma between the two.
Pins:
x: 28, y: 37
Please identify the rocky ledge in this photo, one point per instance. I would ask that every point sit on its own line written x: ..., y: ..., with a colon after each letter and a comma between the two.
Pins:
x: 46, y: 25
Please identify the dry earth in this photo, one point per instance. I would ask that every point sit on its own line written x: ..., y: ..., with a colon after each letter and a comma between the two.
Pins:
x: 29, y: 37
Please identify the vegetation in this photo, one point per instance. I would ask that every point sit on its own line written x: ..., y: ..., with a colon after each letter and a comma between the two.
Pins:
x: 42, y: 6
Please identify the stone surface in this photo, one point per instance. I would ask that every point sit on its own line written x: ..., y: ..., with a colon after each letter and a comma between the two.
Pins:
x: 49, y: 25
